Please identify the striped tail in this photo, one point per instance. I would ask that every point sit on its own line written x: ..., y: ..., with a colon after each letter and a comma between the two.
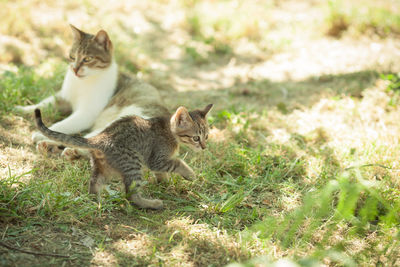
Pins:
x: 70, y: 140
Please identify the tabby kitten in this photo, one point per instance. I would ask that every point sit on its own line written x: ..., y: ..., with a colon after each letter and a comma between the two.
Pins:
x: 131, y: 142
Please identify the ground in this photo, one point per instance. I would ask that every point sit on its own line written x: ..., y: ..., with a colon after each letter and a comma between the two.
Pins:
x: 303, y: 158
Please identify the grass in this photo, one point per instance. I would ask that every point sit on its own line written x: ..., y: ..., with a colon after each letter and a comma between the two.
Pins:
x: 297, y: 171
x: 361, y: 17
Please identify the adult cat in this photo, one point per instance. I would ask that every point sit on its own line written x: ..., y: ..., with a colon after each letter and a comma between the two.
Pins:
x: 95, y: 93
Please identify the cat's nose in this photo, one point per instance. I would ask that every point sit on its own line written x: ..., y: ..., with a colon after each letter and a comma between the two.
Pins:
x: 75, y: 69
x: 203, y: 145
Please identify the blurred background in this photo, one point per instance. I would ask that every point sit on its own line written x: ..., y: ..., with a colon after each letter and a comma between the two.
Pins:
x: 212, y: 45
x: 196, y: 45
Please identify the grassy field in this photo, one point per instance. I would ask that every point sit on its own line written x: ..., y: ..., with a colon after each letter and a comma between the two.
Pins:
x: 302, y: 166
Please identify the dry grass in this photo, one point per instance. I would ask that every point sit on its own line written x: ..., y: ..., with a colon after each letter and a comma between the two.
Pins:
x: 294, y: 109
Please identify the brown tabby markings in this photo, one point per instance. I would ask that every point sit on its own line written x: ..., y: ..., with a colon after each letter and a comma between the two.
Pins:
x: 131, y: 142
x: 92, y: 51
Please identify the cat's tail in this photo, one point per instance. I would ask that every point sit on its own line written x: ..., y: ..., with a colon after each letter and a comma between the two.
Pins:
x: 70, y: 140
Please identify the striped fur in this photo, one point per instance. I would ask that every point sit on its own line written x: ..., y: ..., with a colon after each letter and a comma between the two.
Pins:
x: 132, y: 142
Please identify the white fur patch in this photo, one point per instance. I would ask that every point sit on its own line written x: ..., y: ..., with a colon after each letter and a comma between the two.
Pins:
x: 88, y: 96
x: 133, y: 110
x: 112, y: 114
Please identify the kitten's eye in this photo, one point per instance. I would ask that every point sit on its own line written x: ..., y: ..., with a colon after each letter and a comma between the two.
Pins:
x: 87, y: 59
x: 71, y: 57
x: 196, y: 138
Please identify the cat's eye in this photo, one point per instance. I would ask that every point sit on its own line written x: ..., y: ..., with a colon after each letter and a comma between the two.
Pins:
x: 71, y: 57
x: 196, y: 138
x: 87, y: 59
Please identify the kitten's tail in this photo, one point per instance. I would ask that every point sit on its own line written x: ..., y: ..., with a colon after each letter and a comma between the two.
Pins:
x: 66, y: 139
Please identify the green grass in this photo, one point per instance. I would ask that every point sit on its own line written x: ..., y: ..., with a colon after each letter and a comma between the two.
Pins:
x: 300, y: 170
x: 25, y: 86
x: 248, y: 190
x: 363, y: 17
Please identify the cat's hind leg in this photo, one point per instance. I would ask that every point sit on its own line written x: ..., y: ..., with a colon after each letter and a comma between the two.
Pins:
x: 49, y: 147
x: 70, y: 153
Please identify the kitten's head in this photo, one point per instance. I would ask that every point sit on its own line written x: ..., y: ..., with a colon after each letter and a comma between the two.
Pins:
x: 90, y: 54
x: 191, y: 128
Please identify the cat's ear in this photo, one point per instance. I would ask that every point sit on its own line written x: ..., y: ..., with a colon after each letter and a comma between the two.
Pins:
x: 181, y: 119
x: 102, y: 39
x: 207, y: 109
x: 78, y: 34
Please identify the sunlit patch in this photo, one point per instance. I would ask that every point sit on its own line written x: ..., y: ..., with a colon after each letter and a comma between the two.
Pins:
x: 16, y: 162
x: 180, y: 255
x: 104, y: 258
x: 15, y: 159
x: 47, y: 68
x: 217, y: 242
x: 279, y: 135
x: 217, y: 135
x: 137, y: 245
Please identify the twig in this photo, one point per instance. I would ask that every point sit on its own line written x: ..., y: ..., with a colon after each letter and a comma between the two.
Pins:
x: 368, y: 165
x: 33, y: 253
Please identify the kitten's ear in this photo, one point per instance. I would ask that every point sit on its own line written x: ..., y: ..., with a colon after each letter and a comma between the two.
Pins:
x: 181, y: 119
x: 207, y: 109
x: 78, y: 34
x: 103, y: 39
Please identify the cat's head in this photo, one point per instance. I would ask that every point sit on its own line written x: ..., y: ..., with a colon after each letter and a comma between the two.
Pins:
x: 90, y: 54
x: 191, y: 128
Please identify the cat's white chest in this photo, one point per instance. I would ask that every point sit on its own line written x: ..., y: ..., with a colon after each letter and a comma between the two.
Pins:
x: 93, y: 90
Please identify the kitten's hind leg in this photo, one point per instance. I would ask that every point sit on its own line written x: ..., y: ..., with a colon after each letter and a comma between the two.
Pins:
x: 97, y: 179
x: 161, y: 176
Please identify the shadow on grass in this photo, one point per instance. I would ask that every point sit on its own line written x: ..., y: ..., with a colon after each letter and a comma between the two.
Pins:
x: 261, y: 95
x: 56, y: 198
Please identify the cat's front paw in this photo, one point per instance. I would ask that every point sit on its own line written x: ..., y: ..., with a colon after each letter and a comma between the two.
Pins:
x: 48, y: 147
x: 25, y: 109
x: 71, y: 154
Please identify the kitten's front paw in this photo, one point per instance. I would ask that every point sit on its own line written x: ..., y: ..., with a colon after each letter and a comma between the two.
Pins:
x: 145, y: 203
x: 156, y: 205
x: 48, y: 147
x: 189, y: 175
x: 70, y: 154
x: 25, y: 109
x: 38, y: 136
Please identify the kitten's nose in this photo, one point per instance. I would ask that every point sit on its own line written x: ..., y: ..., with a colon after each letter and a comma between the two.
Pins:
x: 203, y: 145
